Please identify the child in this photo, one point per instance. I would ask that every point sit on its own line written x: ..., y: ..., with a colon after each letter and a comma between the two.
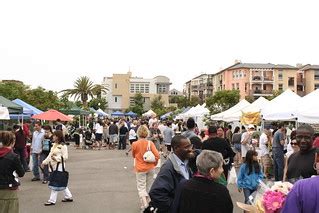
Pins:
x: 249, y: 175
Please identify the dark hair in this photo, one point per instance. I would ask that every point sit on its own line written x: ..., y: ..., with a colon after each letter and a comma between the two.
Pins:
x: 202, y: 133
x: 48, y: 127
x: 176, y: 141
x: 212, y: 130
x: 7, y: 138
x: 38, y: 123
x: 16, y: 126
x: 306, y: 127
x: 229, y: 127
x: 293, y: 135
x: 236, y: 129
x: 59, y: 135
x: 252, y: 165
x: 197, y: 142
x: 190, y: 123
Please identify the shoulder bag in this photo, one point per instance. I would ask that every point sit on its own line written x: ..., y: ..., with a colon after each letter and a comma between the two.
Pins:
x: 148, y: 156
x: 58, y: 180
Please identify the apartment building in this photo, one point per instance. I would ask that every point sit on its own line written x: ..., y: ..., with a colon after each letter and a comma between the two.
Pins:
x: 123, y: 88
x: 257, y: 79
x: 309, y: 77
x: 200, y: 86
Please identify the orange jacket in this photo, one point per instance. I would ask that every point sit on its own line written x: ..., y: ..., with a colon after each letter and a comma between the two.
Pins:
x: 138, y: 149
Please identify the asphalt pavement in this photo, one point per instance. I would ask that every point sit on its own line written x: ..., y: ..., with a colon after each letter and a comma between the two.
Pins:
x: 100, y: 181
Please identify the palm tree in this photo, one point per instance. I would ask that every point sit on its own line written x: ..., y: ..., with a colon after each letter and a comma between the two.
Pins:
x: 84, y: 89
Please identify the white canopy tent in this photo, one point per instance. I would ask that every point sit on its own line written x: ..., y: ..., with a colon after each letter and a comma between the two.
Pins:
x: 253, y: 107
x: 257, y: 105
x: 232, y: 113
x: 4, y: 113
x: 149, y: 113
x: 308, y: 108
x: 283, y: 107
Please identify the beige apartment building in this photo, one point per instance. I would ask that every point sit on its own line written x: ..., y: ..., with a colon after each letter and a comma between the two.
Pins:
x: 123, y: 87
x: 257, y: 79
x: 200, y: 86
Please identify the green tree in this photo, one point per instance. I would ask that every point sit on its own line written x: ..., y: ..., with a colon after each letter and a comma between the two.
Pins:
x: 194, y: 100
x: 65, y: 103
x: 222, y: 100
x: 97, y: 103
x: 13, y: 90
x: 275, y: 93
x: 180, y: 100
x: 157, y: 105
x: 138, y: 105
x: 84, y: 89
x: 43, y: 99
x: 250, y: 98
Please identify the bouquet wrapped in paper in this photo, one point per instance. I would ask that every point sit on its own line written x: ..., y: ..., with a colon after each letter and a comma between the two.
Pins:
x: 268, y: 199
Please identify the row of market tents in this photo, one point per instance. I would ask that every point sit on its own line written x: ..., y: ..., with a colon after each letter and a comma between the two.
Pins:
x: 285, y: 107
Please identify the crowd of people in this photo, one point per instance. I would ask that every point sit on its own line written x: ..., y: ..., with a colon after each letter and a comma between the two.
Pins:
x: 195, y: 163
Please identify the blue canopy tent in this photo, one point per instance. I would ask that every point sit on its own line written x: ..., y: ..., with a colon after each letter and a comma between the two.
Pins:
x: 165, y: 115
x: 34, y: 110
x: 131, y: 114
x: 117, y: 114
x: 96, y: 111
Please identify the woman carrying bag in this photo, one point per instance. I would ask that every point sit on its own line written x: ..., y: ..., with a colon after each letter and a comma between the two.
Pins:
x: 56, y: 161
x: 146, y: 157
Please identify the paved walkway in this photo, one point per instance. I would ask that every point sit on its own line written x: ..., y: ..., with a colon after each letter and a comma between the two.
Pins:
x: 100, y: 181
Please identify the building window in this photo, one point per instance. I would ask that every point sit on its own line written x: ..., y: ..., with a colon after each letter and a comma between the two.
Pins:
x: 237, y: 85
x: 280, y: 75
x: 115, y: 99
x: 161, y: 88
x: 132, y: 89
x: 316, y: 86
x: 316, y: 74
x: 115, y: 85
x: 280, y: 87
x: 139, y: 88
x: 246, y: 87
x: 291, y: 81
x: 233, y: 86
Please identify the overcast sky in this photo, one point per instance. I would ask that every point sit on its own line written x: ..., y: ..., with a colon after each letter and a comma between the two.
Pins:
x: 51, y: 43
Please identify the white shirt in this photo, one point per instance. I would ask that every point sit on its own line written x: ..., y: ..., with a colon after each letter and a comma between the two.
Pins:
x: 263, y: 140
x: 37, y: 139
x: 98, y: 128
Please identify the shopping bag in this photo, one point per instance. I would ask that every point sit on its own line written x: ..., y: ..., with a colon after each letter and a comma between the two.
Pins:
x: 232, y: 176
x: 58, y: 180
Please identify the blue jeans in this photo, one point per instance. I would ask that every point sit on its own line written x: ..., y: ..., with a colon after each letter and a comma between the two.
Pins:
x: 247, y: 193
x: 45, y: 170
x: 122, y: 143
x: 36, y: 164
x: 278, y: 155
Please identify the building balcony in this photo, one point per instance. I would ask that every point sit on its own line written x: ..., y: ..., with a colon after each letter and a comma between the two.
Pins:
x: 301, y: 82
x: 262, y: 79
x: 261, y: 92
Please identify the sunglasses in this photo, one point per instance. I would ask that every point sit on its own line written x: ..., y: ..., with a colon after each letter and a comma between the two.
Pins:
x: 294, y: 144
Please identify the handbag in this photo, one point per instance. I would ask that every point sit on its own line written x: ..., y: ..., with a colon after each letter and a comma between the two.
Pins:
x: 58, y: 180
x: 232, y: 177
x: 148, y: 156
